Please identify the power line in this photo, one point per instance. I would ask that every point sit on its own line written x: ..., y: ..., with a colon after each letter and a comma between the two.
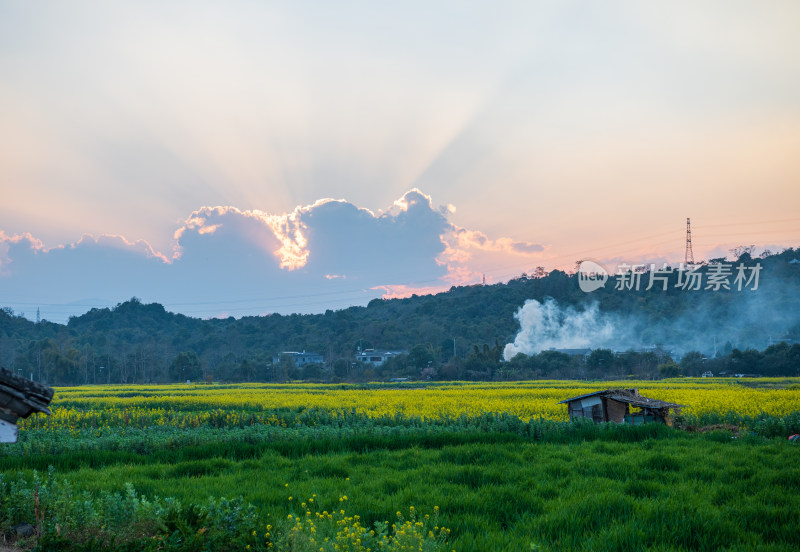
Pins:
x: 748, y: 233
x: 748, y: 223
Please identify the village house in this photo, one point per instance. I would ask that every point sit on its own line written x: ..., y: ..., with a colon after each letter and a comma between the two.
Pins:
x: 376, y: 357
x: 299, y: 359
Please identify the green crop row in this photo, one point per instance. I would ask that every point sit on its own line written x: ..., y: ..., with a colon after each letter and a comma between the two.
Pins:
x: 499, y: 484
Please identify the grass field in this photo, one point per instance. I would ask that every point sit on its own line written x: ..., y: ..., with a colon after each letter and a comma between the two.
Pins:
x: 277, y: 466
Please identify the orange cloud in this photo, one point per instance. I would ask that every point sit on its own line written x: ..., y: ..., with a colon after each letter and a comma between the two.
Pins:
x: 470, y: 255
x: 287, y: 229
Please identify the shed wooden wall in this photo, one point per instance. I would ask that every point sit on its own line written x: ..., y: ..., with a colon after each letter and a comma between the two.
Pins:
x: 598, y: 409
x: 616, y: 411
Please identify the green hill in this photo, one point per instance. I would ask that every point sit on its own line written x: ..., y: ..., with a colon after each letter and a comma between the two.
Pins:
x: 135, y: 342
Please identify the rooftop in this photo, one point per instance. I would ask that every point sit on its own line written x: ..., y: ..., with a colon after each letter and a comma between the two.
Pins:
x: 21, y: 397
x: 630, y: 396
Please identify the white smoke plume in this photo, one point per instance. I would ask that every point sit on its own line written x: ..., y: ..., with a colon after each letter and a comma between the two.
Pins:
x: 710, y: 323
x: 546, y: 326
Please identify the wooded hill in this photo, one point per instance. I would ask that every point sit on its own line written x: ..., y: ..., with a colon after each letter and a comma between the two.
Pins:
x: 136, y: 342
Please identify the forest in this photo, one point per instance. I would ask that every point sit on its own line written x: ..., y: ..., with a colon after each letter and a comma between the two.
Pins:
x: 669, y: 331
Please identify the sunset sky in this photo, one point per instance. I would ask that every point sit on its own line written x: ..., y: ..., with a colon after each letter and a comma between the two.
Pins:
x: 241, y: 158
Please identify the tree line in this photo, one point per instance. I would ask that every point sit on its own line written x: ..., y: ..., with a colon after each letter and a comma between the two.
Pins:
x: 458, y: 334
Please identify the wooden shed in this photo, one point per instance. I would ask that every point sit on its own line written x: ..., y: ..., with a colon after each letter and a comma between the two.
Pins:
x: 620, y: 406
x: 19, y: 398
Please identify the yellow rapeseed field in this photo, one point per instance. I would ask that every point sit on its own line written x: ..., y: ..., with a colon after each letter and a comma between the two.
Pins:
x: 226, y: 405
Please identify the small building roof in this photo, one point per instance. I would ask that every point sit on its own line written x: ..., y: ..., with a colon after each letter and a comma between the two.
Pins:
x: 579, y: 397
x: 21, y: 397
x: 381, y: 352
x: 630, y: 396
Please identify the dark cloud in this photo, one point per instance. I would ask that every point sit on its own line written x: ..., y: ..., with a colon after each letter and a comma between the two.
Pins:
x: 392, y: 248
x: 227, y: 261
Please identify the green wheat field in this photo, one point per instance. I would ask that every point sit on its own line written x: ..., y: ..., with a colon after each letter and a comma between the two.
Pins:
x: 216, y: 468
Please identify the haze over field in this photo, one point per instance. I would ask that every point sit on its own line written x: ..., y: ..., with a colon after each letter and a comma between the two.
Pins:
x: 188, y: 153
